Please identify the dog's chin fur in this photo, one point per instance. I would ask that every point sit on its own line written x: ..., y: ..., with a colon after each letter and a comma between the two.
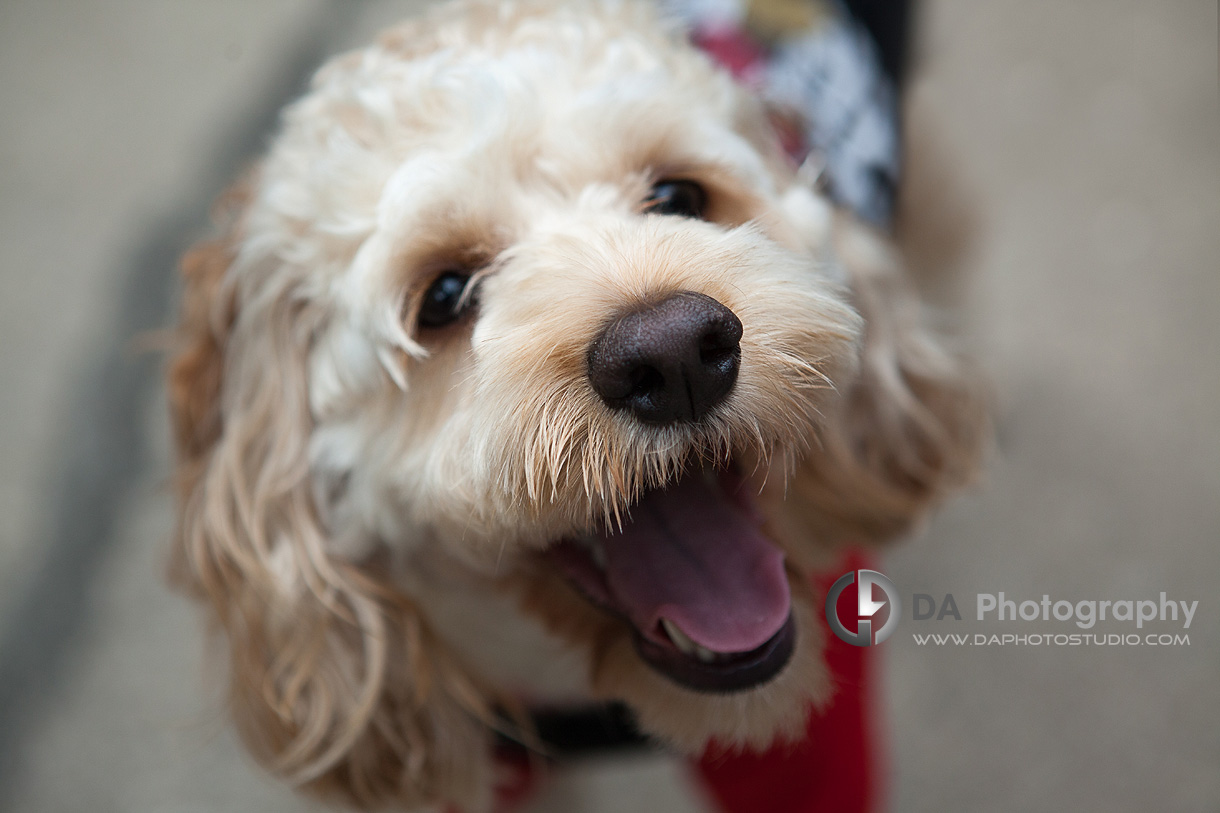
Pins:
x: 333, y: 455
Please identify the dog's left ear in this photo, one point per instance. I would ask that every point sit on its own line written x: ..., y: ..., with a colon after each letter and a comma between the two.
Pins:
x: 906, y: 430
x: 335, y: 680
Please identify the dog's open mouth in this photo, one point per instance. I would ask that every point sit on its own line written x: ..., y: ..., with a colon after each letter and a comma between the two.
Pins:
x: 693, y: 573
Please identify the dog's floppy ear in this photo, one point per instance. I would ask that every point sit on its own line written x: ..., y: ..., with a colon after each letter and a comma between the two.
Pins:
x: 907, y: 429
x: 336, y: 682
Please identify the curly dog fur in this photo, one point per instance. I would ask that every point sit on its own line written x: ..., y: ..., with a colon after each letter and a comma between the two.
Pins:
x: 367, y: 503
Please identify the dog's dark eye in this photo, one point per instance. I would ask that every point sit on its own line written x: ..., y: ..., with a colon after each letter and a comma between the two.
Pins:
x: 443, y: 302
x: 682, y: 198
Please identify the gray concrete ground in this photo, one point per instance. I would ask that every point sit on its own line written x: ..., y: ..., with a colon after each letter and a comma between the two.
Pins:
x: 1086, y: 135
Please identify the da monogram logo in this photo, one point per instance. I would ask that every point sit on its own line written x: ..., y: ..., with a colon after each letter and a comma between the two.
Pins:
x: 858, y: 631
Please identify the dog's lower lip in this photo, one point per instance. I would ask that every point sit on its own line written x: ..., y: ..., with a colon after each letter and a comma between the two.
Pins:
x: 725, y: 675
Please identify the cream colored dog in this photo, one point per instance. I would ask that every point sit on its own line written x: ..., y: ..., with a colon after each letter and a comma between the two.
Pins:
x: 526, y: 372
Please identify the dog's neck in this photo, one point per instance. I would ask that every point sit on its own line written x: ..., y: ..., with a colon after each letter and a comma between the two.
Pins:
x: 485, y: 627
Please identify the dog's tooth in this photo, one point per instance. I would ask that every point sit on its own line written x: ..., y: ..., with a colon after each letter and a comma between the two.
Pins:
x: 704, y: 654
x: 680, y: 639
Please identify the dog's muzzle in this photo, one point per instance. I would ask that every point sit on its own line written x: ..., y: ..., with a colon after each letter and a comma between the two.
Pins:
x: 671, y: 362
x: 689, y: 567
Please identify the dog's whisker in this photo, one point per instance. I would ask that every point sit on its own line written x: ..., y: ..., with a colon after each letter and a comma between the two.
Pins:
x: 500, y: 555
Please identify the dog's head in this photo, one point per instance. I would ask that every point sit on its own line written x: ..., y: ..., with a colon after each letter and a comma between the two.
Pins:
x: 534, y: 294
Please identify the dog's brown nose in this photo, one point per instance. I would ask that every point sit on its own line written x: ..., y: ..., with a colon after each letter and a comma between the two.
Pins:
x: 671, y: 362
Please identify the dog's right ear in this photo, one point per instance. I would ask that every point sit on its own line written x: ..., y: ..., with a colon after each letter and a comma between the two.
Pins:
x: 335, y: 681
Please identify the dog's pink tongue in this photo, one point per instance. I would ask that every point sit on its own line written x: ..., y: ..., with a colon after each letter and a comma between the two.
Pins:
x: 694, y: 557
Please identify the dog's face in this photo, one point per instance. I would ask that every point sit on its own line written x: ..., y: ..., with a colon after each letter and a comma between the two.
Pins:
x: 533, y: 294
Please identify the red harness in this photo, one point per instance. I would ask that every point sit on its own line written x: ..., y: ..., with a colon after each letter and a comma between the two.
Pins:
x: 835, y: 767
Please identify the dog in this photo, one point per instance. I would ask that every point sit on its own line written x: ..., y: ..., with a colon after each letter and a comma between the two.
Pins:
x: 526, y: 370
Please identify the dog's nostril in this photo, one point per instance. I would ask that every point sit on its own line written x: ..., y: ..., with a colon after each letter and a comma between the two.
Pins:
x: 672, y: 361
x: 645, y: 380
x: 717, y: 349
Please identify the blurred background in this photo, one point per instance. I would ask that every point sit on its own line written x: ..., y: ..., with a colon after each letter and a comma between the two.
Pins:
x: 1084, y: 140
